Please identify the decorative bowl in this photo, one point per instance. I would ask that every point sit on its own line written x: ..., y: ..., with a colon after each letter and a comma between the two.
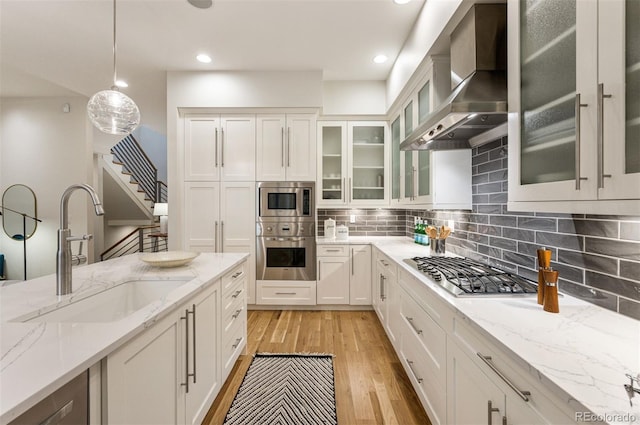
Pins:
x: 169, y: 258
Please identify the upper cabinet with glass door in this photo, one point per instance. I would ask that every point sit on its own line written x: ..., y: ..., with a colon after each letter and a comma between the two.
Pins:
x: 574, y: 100
x: 352, y: 163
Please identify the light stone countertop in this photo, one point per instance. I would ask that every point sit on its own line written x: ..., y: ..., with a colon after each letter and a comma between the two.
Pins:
x: 580, y: 354
x: 38, y: 358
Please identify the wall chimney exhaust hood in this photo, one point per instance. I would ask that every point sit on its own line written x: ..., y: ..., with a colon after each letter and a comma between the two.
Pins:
x: 478, y: 101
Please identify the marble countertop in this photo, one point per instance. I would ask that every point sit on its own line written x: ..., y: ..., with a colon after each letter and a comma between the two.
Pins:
x: 37, y: 358
x: 580, y: 354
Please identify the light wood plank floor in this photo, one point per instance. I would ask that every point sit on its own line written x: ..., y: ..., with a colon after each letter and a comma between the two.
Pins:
x: 371, y: 385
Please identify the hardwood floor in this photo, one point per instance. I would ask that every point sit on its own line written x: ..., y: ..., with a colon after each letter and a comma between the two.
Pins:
x: 371, y: 385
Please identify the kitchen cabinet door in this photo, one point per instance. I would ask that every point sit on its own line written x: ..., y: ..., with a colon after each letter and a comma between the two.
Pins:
x: 368, y: 156
x: 333, y: 280
x: 360, y: 276
x: 238, y: 148
x: 201, y: 148
x: 144, y: 377
x: 202, y: 217
x: 332, y: 163
x: 573, y: 97
x: 203, y: 339
x: 286, y: 147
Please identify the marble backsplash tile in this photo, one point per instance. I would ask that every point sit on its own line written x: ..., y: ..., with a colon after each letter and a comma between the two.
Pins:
x: 598, y: 256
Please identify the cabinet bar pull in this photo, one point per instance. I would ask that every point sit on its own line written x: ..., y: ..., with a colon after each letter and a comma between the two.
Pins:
x: 235, y: 294
x: 282, y: 146
x: 344, y: 189
x: 222, y: 143
x: 285, y: 293
x: 410, y: 363
x: 414, y: 183
x: 383, y: 296
x: 216, y: 147
x: 333, y: 250
x: 236, y: 274
x: 215, y: 237
x: 352, y: 267
x: 490, y: 410
x: 487, y: 359
x: 235, y: 345
x: 600, y: 139
x: 221, y: 236
x: 410, y: 320
x: 350, y: 191
x: 289, y: 147
x: 193, y: 312
x: 186, y: 346
x: 578, y: 141
x: 236, y: 314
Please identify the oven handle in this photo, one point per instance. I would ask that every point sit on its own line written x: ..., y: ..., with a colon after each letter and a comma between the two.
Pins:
x: 286, y: 239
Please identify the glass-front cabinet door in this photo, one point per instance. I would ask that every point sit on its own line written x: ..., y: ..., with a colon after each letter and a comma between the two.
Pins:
x: 574, y: 99
x: 396, y: 139
x: 367, y: 184
x: 332, y: 164
x: 424, y: 157
x: 409, y: 165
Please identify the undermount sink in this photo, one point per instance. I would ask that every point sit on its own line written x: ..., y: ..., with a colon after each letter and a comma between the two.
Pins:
x: 110, y: 305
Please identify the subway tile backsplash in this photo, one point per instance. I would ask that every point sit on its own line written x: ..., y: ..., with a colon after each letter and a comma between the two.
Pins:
x: 598, y: 257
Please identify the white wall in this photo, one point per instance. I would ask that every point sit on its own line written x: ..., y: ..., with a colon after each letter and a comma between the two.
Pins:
x: 354, y: 98
x: 48, y: 150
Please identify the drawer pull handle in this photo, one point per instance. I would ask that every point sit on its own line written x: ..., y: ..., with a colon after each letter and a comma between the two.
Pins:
x: 235, y: 275
x: 235, y: 294
x: 410, y: 363
x: 410, y: 320
x: 238, y: 341
x: 333, y: 250
x: 487, y: 359
x: 285, y: 293
x: 236, y: 314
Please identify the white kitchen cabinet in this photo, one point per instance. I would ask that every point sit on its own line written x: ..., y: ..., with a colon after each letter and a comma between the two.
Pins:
x: 233, y: 316
x: 423, y: 345
x: 286, y: 147
x: 428, y: 179
x: 165, y: 375
x: 385, y: 295
x: 286, y: 292
x: 353, y: 163
x: 344, y: 274
x: 219, y: 147
x: 574, y: 122
x: 220, y: 217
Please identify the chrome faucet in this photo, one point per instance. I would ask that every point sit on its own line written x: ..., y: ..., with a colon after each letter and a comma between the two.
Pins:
x: 64, y: 257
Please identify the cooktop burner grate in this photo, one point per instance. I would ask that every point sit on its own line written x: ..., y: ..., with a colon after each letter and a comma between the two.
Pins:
x: 464, y: 276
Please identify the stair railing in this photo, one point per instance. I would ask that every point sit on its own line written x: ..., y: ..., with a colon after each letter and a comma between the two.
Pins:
x: 136, y: 162
x: 161, y: 191
x: 137, y: 240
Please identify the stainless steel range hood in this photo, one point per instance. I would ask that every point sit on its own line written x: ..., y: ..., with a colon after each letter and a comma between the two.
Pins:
x: 478, y: 101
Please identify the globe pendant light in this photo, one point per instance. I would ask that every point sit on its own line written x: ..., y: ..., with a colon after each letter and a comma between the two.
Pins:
x: 110, y: 111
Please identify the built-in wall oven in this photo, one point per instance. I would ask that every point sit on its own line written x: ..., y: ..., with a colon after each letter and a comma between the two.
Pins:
x: 285, y: 231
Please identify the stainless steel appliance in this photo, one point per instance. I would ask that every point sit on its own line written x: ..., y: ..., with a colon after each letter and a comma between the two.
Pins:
x: 285, y: 199
x: 285, y: 231
x: 286, y: 250
x: 467, y: 277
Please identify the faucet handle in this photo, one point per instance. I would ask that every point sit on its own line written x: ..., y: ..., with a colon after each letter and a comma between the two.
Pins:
x: 80, y: 238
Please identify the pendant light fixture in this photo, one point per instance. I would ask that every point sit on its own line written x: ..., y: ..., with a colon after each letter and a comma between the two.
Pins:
x: 111, y: 111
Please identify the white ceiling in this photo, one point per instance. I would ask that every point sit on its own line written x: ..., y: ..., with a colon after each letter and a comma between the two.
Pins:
x: 63, y: 47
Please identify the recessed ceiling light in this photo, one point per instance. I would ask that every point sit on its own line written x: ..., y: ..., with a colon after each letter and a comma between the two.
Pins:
x: 203, y: 58
x: 380, y: 59
x: 122, y: 84
x: 401, y: 1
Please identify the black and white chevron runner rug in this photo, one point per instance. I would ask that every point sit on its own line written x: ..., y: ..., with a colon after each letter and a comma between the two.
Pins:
x: 286, y: 389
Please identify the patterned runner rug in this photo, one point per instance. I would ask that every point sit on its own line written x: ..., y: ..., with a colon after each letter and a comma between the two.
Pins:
x: 281, y: 389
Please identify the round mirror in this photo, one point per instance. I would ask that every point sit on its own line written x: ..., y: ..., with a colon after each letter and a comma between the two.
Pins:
x: 17, y: 201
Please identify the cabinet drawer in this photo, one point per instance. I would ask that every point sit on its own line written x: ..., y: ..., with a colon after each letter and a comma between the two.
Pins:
x: 427, y: 300
x: 332, y: 250
x: 237, y: 313
x: 236, y: 292
x: 282, y: 293
x: 232, y: 346
x: 430, y: 384
x: 427, y: 333
x: 235, y: 275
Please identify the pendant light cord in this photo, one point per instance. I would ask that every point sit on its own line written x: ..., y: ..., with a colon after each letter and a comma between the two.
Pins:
x: 115, y: 76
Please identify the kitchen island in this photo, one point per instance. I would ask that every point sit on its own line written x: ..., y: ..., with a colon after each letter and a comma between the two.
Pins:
x: 38, y: 357
x: 578, y: 357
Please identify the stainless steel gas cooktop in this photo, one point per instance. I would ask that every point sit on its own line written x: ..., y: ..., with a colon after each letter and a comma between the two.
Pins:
x: 467, y: 277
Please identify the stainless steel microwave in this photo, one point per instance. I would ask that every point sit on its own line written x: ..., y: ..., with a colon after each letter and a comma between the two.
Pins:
x: 286, y: 199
